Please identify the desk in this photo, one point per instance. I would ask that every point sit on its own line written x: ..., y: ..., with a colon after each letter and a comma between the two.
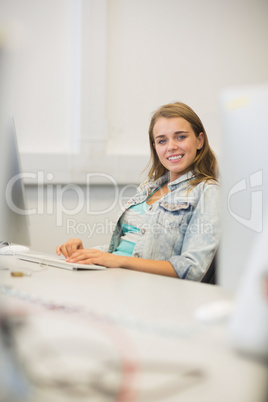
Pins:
x: 135, y: 334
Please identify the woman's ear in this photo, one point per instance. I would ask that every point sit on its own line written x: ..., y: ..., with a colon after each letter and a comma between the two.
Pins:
x: 200, y: 140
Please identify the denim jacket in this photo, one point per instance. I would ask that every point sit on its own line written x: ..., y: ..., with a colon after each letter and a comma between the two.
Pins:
x: 183, y: 227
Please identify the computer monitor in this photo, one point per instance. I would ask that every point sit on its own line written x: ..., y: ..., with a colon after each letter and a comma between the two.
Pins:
x: 244, y: 177
x: 13, y: 214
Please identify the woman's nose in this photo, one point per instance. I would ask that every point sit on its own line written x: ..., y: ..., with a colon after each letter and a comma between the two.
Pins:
x: 172, y: 144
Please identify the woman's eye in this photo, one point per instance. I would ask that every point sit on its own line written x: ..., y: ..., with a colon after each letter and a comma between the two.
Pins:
x: 161, y: 142
x: 181, y: 137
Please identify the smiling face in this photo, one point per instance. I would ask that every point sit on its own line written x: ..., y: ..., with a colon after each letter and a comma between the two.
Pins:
x: 176, y: 144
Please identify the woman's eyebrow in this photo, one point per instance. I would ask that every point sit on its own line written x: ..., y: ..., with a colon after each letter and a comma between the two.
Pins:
x: 181, y: 132
x: 175, y: 133
x: 160, y: 135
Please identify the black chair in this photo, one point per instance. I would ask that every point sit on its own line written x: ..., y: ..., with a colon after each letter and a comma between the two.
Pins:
x: 210, y: 275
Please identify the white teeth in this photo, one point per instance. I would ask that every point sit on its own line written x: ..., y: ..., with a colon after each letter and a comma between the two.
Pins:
x: 173, y: 158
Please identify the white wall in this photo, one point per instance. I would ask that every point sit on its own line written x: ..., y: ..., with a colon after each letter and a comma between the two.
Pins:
x: 87, y: 74
x: 41, y: 40
x: 166, y: 50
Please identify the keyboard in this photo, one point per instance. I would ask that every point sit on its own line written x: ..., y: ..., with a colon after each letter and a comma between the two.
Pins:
x: 55, y: 261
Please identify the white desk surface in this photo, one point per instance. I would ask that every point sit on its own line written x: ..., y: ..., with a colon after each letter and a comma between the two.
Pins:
x: 129, y: 336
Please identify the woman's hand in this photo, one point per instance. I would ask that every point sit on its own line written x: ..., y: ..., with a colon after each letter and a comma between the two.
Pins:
x: 95, y: 256
x: 70, y: 247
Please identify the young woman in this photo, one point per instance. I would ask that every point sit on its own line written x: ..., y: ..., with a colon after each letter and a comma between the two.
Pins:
x: 171, y: 226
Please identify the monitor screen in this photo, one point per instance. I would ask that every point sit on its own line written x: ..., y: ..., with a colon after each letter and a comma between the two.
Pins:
x: 13, y: 214
x: 244, y: 177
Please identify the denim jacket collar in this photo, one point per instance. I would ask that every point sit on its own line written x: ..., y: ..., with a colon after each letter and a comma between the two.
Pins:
x: 165, y: 178
x: 149, y: 186
x: 185, y: 177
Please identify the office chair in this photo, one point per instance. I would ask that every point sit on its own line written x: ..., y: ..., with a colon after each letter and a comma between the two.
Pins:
x: 210, y: 275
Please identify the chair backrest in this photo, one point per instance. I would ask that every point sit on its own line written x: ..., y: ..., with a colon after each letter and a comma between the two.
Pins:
x: 210, y: 275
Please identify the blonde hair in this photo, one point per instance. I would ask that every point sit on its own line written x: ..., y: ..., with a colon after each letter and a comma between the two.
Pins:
x: 204, y: 166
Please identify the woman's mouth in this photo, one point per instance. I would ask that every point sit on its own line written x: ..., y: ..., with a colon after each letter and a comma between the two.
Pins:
x: 175, y: 157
